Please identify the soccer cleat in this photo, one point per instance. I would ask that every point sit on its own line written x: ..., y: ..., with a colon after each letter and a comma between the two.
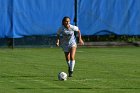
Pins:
x: 70, y: 73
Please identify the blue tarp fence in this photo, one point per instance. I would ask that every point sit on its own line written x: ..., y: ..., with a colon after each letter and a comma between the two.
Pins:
x: 21, y: 18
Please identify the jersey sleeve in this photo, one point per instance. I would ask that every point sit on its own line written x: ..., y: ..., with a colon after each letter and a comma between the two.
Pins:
x: 59, y: 31
x: 74, y: 28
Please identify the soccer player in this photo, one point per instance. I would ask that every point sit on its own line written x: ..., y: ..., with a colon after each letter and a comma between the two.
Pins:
x: 68, y: 42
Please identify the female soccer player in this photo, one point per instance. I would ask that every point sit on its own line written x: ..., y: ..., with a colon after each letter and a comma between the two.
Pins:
x: 68, y: 42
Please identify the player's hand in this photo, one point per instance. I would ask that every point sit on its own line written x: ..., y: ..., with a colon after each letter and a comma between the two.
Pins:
x: 57, y: 43
x: 81, y: 42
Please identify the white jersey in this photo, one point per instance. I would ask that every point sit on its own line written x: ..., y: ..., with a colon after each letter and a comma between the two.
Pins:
x: 68, y: 39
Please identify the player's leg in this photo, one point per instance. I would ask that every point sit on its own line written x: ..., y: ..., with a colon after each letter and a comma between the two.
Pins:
x: 72, y: 62
x: 67, y: 56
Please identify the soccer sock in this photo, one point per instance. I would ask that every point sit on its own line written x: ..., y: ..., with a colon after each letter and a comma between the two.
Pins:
x: 68, y: 62
x: 72, y: 64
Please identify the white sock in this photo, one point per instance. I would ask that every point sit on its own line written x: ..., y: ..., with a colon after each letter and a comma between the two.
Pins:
x: 72, y: 64
x: 68, y: 62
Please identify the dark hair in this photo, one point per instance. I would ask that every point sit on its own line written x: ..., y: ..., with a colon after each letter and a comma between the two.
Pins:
x: 64, y: 18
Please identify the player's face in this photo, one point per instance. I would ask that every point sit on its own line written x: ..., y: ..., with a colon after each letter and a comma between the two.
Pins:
x: 66, y: 22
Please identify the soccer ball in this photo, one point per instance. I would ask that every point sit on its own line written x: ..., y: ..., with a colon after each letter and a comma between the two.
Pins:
x: 62, y: 76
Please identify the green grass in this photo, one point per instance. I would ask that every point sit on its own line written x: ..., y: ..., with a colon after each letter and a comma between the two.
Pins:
x: 97, y: 70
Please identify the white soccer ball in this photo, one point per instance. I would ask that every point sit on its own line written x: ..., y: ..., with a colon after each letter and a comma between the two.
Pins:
x: 62, y: 76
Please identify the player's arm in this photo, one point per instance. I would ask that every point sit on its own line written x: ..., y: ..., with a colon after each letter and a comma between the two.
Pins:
x: 57, y: 39
x: 81, y: 42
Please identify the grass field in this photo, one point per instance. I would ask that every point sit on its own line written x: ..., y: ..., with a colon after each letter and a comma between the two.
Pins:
x: 97, y: 70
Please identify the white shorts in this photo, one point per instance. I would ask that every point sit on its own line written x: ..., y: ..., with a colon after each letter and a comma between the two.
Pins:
x: 66, y: 48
